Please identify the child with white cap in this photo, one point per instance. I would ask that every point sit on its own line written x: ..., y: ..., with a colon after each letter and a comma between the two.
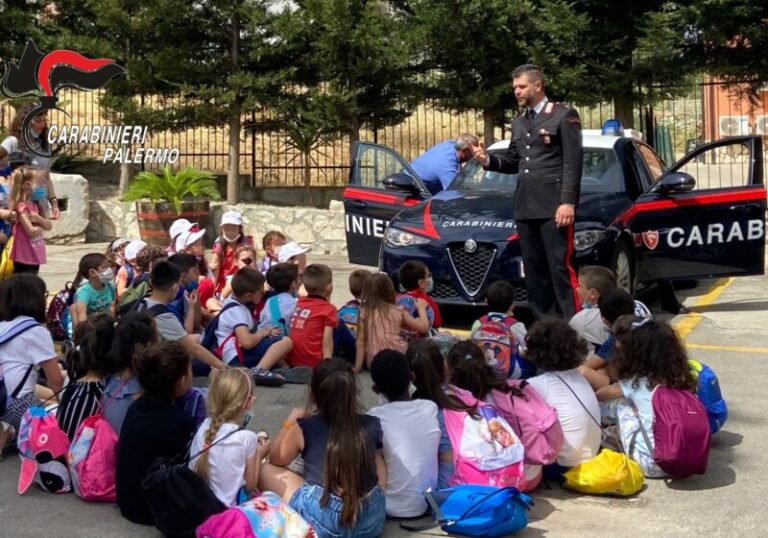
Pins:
x: 116, y: 253
x: 231, y: 238
x: 129, y: 270
x: 178, y: 227
x: 294, y: 253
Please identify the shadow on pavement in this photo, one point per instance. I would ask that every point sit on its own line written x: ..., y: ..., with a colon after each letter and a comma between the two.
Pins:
x: 719, y: 472
x: 733, y: 306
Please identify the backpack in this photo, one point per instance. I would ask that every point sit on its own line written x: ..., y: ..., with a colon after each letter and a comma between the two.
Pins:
x: 535, y: 422
x: 486, y: 450
x: 273, y: 303
x: 265, y: 516
x: 708, y: 391
x: 136, y: 292
x: 680, y: 431
x: 178, y: 499
x: 193, y: 402
x: 483, y: 511
x: 501, y: 347
x: 349, y: 314
x: 608, y: 473
x: 23, y: 326
x: 92, y: 459
x: 409, y: 303
x: 209, y: 340
x: 43, y: 447
x: 58, y: 317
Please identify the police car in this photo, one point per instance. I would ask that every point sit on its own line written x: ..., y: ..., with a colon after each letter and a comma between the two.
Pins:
x: 702, y: 217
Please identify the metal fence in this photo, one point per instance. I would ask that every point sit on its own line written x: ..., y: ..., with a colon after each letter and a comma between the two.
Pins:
x: 703, y: 112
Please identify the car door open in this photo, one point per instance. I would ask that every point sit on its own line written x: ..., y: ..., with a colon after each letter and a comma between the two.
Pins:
x: 381, y: 184
x: 705, y: 216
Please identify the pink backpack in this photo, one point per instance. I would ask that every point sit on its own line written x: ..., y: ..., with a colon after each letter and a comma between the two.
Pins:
x: 92, y: 460
x: 534, y: 421
x: 486, y: 450
x: 43, y: 449
x: 680, y: 431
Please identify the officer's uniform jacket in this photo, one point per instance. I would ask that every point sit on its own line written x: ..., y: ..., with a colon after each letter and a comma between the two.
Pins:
x: 546, y: 153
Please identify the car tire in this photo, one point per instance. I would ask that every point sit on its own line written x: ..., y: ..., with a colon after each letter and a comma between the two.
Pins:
x: 623, y: 267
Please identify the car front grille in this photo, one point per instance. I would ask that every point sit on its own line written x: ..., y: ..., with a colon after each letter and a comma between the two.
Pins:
x: 444, y: 290
x: 521, y: 294
x: 471, y: 268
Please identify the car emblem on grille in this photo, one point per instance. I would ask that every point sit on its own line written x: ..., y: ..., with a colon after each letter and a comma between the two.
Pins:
x: 470, y: 246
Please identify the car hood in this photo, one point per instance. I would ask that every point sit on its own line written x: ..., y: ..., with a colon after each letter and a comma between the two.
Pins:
x: 488, y: 214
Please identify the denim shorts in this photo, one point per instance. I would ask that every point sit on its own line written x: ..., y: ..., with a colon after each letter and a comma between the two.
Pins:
x: 325, y: 519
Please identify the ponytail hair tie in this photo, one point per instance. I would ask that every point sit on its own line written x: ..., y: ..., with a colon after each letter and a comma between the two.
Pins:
x: 468, y: 357
x: 637, y: 324
x: 206, y: 446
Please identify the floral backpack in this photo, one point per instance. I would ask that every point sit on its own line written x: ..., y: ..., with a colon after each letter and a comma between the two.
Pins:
x: 265, y: 516
x: 486, y: 450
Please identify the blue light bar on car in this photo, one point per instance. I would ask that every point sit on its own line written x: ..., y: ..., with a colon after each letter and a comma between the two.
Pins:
x: 613, y: 127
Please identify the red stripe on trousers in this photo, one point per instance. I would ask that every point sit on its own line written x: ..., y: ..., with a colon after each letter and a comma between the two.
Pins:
x: 571, y: 272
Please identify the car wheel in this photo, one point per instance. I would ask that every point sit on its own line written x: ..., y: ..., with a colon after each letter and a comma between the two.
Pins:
x: 623, y: 268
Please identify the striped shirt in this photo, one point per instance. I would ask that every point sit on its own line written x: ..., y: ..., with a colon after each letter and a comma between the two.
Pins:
x: 79, y: 401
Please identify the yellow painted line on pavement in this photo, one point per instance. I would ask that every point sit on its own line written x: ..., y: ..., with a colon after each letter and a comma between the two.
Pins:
x: 734, y: 349
x: 685, y: 326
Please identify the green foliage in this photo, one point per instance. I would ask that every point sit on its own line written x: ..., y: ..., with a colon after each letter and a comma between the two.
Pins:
x: 187, y: 184
x: 65, y: 162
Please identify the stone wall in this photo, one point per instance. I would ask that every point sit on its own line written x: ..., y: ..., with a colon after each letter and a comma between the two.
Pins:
x: 72, y: 192
x: 323, y: 229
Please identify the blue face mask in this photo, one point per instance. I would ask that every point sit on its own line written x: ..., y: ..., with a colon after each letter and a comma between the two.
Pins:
x: 586, y: 306
x: 430, y: 285
x: 39, y: 194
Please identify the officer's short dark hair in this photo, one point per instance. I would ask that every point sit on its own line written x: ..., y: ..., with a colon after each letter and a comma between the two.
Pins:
x: 532, y: 71
x: 164, y: 275
x: 615, y: 303
x: 281, y: 275
x: 500, y: 296
x: 247, y: 280
x: 410, y: 273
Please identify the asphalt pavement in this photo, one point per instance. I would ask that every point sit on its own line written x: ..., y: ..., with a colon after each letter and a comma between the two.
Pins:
x: 726, y: 331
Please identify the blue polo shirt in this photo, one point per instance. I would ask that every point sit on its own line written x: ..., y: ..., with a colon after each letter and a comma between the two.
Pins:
x: 437, y: 166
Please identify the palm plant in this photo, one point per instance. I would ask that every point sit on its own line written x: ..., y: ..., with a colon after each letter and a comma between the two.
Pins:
x: 186, y: 185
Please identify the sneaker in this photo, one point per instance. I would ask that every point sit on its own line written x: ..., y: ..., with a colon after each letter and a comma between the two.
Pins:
x: 266, y: 378
x: 299, y: 375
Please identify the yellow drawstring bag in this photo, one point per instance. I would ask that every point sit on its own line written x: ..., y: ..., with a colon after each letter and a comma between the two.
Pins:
x: 6, y: 263
x: 608, y: 473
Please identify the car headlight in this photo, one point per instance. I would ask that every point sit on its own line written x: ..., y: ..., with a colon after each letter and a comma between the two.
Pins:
x: 395, y: 238
x: 587, y: 239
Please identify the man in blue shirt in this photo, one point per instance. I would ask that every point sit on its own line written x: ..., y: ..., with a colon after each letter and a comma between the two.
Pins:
x: 437, y: 166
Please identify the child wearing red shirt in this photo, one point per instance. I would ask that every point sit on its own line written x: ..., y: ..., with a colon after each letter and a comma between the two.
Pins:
x: 310, y: 332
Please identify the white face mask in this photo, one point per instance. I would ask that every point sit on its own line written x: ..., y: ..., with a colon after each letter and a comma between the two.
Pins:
x: 231, y: 239
x: 107, y: 276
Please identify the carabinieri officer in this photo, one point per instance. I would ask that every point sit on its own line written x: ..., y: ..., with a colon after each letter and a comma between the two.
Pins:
x: 546, y: 153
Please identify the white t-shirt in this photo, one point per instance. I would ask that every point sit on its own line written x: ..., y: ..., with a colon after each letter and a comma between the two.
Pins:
x: 411, y: 439
x: 229, y: 320
x: 581, y: 432
x: 226, y: 460
x: 32, y: 347
x: 287, y: 304
x: 589, y: 324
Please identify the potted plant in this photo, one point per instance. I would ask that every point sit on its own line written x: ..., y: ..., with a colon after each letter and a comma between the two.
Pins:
x: 161, y: 199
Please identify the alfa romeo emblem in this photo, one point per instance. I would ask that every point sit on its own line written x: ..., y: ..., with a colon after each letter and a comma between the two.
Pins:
x: 470, y: 246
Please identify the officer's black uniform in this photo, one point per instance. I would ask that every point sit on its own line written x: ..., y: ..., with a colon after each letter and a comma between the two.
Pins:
x: 546, y: 153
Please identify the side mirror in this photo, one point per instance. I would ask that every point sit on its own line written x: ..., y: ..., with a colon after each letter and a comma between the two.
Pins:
x: 401, y: 182
x: 676, y: 182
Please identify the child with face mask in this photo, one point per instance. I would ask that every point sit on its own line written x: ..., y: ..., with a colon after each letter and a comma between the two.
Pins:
x: 97, y: 292
x: 28, y: 251
x: 223, y: 261
x: 416, y: 282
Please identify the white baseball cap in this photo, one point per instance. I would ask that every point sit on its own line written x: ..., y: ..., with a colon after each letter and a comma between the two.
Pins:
x: 289, y: 250
x: 180, y: 226
x: 133, y: 249
x: 188, y: 238
x: 232, y: 217
x: 119, y: 242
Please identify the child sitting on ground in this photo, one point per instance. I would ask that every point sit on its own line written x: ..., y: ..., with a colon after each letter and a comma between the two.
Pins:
x: 231, y: 466
x: 350, y: 312
x: 648, y: 354
x: 283, y: 278
x: 271, y: 243
x: 245, y: 256
x: 344, y: 472
x: 186, y: 304
x: 129, y: 270
x: 382, y: 322
x: 97, y: 292
x: 294, y: 253
x: 411, y: 436
x: 594, y: 281
x: 234, y: 334
x: 81, y: 399
x: 500, y: 335
x: 116, y: 254
x: 154, y: 427
x: 311, y: 329
x: 416, y: 281
x: 557, y: 351
x: 613, y: 304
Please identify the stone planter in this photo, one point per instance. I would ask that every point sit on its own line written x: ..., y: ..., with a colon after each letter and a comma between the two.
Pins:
x: 155, y: 219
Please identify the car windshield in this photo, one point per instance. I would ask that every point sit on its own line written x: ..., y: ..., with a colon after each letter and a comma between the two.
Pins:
x: 601, y: 173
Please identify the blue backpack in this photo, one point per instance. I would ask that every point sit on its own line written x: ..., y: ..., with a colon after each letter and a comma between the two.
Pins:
x: 209, y: 340
x: 483, y: 511
x: 708, y: 391
x: 273, y: 303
